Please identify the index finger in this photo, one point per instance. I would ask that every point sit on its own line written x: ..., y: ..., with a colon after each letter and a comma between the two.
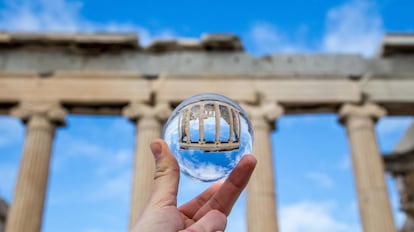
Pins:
x: 224, y: 199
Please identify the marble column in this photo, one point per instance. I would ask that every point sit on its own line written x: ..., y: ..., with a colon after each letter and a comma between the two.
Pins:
x: 401, y: 165
x: 373, y: 199
x: 148, y: 120
x: 26, y: 210
x: 261, y: 197
x: 406, y: 189
x: 3, y: 213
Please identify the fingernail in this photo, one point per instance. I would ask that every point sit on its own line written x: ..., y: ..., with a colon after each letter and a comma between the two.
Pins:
x: 156, y: 149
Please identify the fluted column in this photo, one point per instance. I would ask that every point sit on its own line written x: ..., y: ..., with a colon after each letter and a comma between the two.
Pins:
x: 261, y: 197
x: 148, y: 121
x: 400, y: 164
x: 26, y: 210
x: 406, y: 189
x: 374, y: 205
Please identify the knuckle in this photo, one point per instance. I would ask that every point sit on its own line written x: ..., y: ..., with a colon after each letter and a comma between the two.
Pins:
x: 165, y: 170
x: 216, y: 204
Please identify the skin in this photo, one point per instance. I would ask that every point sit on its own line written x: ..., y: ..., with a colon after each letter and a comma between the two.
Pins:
x: 205, y: 213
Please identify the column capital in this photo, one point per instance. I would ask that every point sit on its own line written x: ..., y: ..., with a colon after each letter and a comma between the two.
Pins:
x: 136, y: 110
x: 269, y: 111
x: 367, y: 110
x: 264, y: 114
x: 52, y: 111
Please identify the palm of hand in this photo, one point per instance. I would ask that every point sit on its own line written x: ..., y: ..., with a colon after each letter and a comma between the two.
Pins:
x: 206, y: 212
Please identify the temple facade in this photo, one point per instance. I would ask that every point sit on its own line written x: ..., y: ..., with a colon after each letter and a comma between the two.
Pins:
x: 45, y: 77
x: 400, y: 163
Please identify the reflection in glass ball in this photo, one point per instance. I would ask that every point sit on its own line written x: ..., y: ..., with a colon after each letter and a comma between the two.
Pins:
x: 208, y: 134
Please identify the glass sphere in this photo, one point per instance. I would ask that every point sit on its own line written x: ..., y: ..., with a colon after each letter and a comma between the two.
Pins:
x: 208, y: 134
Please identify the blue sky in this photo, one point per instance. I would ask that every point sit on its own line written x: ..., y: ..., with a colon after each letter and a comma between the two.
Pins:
x: 89, y: 185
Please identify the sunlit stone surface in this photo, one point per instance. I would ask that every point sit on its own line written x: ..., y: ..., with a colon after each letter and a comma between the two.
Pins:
x: 208, y: 134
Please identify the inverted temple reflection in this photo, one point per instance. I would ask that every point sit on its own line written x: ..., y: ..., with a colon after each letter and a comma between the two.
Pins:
x: 208, y: 134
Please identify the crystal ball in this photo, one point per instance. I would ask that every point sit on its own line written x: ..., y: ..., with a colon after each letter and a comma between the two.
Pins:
x: 208, y: 134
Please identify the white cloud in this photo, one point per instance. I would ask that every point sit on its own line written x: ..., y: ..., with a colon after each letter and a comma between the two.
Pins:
x: 65, y: 16
x: 75, y: 149
x: 321, y: 179
x: 27, y: 15
x: 313, y: 217
x: 109, y: 166
x: 117, y: 187
x: 204, y: 171
x: 107, y: 159
x: 354, y: 27
x: 266, y: 38
x: 112, y: 169
x: 118, y: 160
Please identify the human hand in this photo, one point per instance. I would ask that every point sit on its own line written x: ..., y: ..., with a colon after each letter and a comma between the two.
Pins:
x: 205, y: 213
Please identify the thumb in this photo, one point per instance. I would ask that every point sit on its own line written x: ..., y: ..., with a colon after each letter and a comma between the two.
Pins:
x: 166, y: 175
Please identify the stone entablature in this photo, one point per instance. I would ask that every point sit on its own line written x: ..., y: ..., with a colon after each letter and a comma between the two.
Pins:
x: 109, y: 92
x: 105, y: 42
x: 46, y: 53
x: 397, y: 44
